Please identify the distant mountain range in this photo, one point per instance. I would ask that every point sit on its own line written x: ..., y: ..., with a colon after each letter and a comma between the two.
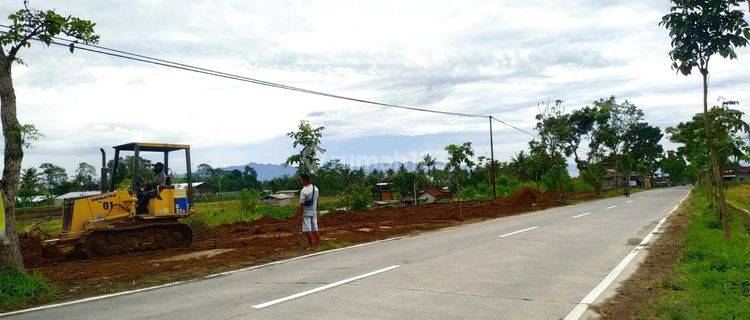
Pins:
x: 268, y: 171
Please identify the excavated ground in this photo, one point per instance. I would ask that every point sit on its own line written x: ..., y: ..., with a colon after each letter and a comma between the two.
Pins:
x: 242, y: 244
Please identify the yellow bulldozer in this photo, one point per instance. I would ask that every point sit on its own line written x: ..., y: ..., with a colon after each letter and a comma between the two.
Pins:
x: 115, y: 221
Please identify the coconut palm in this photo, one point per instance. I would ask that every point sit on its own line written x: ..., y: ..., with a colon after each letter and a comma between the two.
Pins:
x: 429, y: 162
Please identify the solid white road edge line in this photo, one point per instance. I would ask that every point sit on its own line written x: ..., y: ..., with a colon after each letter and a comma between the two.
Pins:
x: 582, y: 306
x: 516, y: 232
x: 581, y: 215
x: 112, y: 295
x: 321, y: 288
x: 611, y: 207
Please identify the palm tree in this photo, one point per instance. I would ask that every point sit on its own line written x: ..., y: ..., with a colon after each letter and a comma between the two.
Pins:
x: 520, y: 166
x: 429, y: 162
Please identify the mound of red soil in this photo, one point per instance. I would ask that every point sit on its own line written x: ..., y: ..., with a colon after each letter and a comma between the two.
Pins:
x: 522, y: 197
x: 31, y: 249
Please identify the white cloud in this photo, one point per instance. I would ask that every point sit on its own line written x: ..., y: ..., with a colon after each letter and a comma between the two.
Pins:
x: 499, y: 57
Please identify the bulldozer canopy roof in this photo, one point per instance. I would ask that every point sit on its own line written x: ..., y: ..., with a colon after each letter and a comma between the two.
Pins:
x: 146, y: 146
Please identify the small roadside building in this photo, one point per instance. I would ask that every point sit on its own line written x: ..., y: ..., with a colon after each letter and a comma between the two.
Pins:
x: 385, y: 193
x: 738, y: 173
x: 290, y: 193
x: 277, y: 199
x: 199, y: 188
x: 432, y: 194
x: 74, y: 195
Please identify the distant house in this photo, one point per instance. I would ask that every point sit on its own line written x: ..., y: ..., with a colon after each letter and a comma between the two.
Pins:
x: 385, y: 193
x: 199, y: 188
x: 613, y: 179
x: 277, y: 200
x: 74, y: 195
x: 737, y: 173
x: 290, y: 193
x: 434, y: 194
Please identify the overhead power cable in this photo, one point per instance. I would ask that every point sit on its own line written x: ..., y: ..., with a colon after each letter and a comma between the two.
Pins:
x: 514, y: 127
x: 186, y: 67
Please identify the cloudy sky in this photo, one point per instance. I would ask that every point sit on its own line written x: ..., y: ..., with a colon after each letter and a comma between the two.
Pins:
x: 487, y: 57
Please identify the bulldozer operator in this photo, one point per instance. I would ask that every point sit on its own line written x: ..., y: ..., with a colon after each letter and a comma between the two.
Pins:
x: 151, y: 189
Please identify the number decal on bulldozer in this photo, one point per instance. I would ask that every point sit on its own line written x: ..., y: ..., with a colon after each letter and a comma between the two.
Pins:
x: 107, y: 205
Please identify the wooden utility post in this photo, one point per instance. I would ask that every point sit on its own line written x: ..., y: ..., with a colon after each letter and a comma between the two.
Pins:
x: 492, y: 161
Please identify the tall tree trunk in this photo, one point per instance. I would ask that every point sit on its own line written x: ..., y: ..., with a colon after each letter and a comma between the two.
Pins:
x: 714, y: 158
x: 10, y: 254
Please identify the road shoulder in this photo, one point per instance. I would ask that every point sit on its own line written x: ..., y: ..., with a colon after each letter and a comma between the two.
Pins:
x: 640, y: 283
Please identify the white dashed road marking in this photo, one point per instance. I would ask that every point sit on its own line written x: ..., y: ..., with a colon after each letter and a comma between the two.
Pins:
x: 321, y: 288
x: 516, y: 232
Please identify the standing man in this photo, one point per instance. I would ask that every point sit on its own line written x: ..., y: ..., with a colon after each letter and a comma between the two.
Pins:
x: 308, y: 210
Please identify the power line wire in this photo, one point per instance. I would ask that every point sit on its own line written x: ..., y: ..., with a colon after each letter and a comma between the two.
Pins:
x: 514, y: 127
x: 186, y: 67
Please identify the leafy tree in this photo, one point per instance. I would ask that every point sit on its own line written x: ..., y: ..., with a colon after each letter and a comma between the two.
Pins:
x: 125, y: 171
x: 700, y: 29
x: 459, y: 156
x: 642, y: 148
x: 308, y: 138
x: 614, y: 122
x: 204, y: 172
x: 553, y: 127
x: 674, y: 165
x: 583, y: 127
x: 25, y: 25
x: 85, y: 175
x: 728, y: 132
x: 54, y: 176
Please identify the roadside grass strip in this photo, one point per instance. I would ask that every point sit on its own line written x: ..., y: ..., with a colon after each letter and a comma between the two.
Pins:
x: 713, y: 273
x: 321, y: 288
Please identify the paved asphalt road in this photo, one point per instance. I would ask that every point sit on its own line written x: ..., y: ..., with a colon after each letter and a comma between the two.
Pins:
x: 486, y: 270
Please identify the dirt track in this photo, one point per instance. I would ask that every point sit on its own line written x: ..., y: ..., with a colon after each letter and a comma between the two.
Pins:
x: 242, y: 244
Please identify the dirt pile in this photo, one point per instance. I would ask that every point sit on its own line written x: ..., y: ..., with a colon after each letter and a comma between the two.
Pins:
x: 31, y: 249
x: 522, y: 197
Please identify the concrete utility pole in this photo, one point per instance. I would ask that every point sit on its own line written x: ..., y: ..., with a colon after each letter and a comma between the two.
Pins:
x: 492, y: 161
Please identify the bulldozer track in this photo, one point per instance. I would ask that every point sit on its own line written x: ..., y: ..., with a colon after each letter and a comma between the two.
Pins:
x: 100, y: 243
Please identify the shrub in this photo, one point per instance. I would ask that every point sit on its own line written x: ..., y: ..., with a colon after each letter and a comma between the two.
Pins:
x: 358, y: 198
x: 18, y: 289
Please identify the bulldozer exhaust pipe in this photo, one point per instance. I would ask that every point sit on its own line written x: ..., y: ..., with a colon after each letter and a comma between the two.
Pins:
x: 103, y: 180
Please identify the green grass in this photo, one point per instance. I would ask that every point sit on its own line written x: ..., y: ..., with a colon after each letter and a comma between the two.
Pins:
x: 740, y: 195
x: 50, y: 225
x: 713, y: 274
x: 213, y: 214
x: 18, y: 290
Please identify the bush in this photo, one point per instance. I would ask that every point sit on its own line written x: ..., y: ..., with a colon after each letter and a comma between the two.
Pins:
x: 358, y: 198
x: 18, y: 289
x: 250, y: 200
